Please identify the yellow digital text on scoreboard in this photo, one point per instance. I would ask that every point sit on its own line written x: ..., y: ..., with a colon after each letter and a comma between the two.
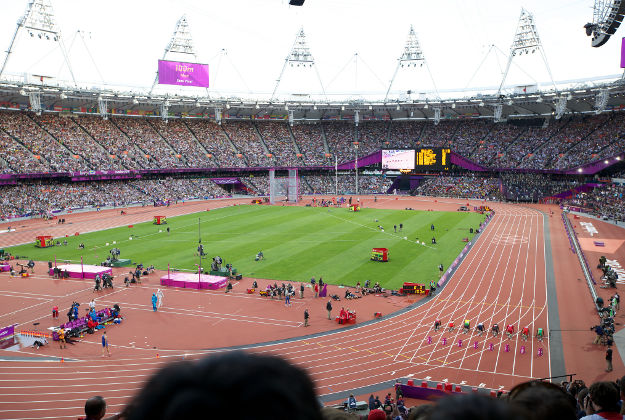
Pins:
x: 432, y: 157
x: 426, y: 157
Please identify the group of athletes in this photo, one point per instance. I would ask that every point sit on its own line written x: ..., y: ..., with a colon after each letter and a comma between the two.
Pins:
x: 480, y: 329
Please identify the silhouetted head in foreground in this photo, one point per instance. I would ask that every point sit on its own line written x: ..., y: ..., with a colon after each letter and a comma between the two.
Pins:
x: 234, y: 385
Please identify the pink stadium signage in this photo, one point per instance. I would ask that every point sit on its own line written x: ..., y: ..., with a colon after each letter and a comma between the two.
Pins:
x: 182, y: 74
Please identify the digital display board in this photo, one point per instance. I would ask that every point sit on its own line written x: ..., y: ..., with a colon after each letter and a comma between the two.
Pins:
x: 432, y: 158
x: 398, y: 159
x: 182, y: 74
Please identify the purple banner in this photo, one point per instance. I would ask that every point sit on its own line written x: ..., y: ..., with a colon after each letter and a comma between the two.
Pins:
x: 182, y: 74
x: 7, y: 332
x: 373, y: 158
x: 623, y: 53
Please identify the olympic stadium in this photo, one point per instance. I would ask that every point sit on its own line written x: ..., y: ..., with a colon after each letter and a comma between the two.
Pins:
x: 384, y: 222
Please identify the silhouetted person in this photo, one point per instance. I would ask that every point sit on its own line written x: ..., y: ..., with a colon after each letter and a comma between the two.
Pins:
x: 234, y: 385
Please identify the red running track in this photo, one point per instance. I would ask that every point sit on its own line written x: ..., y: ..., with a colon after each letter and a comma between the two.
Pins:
x: 501, y: 280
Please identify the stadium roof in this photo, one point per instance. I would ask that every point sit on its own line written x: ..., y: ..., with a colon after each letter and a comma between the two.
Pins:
x: 452, y: 71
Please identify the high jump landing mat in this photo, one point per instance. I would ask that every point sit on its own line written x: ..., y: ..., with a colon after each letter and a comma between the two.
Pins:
x: 193, y: 281
x: 78, y: 271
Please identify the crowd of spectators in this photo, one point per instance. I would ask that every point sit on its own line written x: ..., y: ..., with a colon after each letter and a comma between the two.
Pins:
x: 118, y: 145
x: 323, y: 184
x: 404, y: 134
x: 42, y: 198
x: 83, y: 147
x: 604, y: 202
x: 369, y: 184
x: 440, y: 135
x: 178, y: 136
x: 491, y: 149
x: 520, y: 153
x: 156, y: 151
x: 81, y: 143
x: 476, y: 187
x: 341, y: 137
x: 373, y: 135
x: 606, y: 141
x: 533, y: 187
x: 16, y: 158
x: 309, y: 138
x: 214, y: 140
x: 57, y: 157
x: 278, y: 140
x: 245, y: 139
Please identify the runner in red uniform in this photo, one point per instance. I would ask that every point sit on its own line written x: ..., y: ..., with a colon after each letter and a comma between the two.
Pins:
x: 510, y: 331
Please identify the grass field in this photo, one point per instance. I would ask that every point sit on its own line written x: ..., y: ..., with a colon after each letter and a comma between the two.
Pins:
x: 298, y: 243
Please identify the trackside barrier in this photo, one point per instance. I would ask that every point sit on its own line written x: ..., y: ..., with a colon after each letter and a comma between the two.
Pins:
x: 582, y: 261
x: 442, y: 389
x: 568, y: 234
x: 35, y: 334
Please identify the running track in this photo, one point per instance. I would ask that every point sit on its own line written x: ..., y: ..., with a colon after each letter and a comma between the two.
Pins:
x: 502, y: 280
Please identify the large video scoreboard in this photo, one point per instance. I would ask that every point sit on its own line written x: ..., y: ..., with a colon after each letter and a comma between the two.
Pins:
x: 421, y: 159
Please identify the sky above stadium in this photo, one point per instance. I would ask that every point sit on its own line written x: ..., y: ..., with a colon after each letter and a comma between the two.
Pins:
x: 126, y: 38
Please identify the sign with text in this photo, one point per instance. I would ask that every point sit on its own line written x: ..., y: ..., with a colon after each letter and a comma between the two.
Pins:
x: 398, y: 159
x: 182, y: 74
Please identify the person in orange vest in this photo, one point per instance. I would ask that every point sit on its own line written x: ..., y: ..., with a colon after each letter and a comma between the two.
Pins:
x: 61, y: 333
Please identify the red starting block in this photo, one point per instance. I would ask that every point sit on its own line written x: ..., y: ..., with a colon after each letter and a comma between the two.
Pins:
x: 250, y: 291
x: 377, y: 315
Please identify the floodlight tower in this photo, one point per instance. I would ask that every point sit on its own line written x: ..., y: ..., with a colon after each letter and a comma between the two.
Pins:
x: 38, y: 21
x: 412, y: 56
x: 299, y: 56
x: 526, y: 40
x: 606, y: 18
x: 181, y: 43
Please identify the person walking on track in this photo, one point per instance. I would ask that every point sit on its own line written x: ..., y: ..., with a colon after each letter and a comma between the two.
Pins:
x: 105, y: 345
x: 159, y: 296
x: 329, y: 309
x: 306, y: 316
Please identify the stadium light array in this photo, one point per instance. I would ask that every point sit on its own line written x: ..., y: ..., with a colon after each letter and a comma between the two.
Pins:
x: 607, y: 17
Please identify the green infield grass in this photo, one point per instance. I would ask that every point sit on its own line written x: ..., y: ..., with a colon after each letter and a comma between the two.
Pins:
x: 298, y: 243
